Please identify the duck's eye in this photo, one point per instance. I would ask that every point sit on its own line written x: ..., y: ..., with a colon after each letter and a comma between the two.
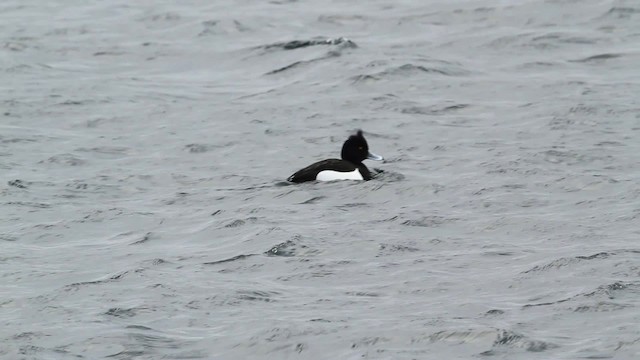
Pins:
x: 360, y: 147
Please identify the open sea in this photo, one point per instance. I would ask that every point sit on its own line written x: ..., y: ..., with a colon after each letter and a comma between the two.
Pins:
x: 144, y: 148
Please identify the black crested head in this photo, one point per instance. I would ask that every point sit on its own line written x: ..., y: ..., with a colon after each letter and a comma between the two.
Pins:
x: 355, y: 149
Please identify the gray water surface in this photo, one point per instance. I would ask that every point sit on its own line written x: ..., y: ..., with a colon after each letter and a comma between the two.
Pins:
x: 144, y: 147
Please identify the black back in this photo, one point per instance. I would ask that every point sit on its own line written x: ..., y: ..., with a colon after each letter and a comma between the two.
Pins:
x: 310, y: 172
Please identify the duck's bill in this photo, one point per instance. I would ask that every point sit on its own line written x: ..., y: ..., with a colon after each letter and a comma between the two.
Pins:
x: 372, y: 156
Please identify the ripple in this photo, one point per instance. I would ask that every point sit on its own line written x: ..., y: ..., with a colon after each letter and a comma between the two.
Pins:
x: 411, y: 70
x: 66, y: 159
x: 622, y: 12
x: 429, y: 221
x: 563, y: 262
x: 598, y: 58
x: 239, y: 222
x: 286, y: 249
x: 433, y: 110
x: 298, y: 44
x: 256, y: 295
x: 124, y: 312
x: 223, y: 27
x: 501, y: 339
x: 18, y: 183
x: 231, y: 259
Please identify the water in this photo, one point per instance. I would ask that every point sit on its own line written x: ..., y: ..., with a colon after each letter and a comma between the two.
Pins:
x: 143, y: 148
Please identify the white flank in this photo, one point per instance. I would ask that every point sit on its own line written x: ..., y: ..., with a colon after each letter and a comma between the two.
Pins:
x: 329, y: 175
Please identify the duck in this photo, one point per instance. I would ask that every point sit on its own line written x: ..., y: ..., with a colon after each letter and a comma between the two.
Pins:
x: 354, y: 150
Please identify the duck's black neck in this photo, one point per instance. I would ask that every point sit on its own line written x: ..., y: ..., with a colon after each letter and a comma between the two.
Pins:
x: 366, y: 175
